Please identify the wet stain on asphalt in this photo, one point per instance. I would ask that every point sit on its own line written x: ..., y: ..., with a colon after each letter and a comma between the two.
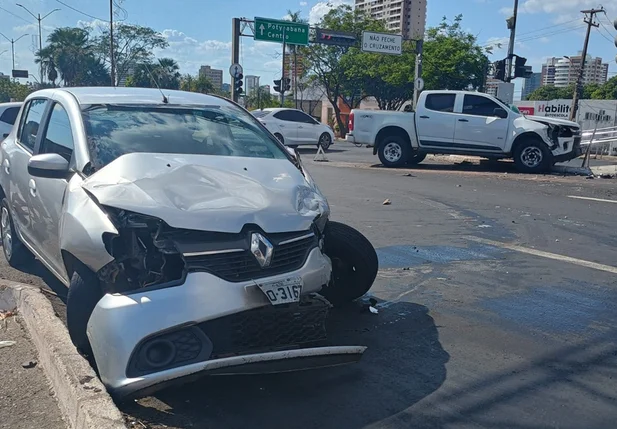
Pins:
x: 403, y: 256
x: 559, y: 309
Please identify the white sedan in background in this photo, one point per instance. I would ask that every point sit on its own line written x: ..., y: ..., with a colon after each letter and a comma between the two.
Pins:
x: 294, y: 127
x: 8, y: 114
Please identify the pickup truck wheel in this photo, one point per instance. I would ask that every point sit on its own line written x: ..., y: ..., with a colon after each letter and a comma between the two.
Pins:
x: 354, y: 263
x: 532, y: 156
x: 84, y: 293
x: 325, y: 141
x: 280, y: 138
x: 416, y: 158
x: 393, y: 151
x: 15, y: 252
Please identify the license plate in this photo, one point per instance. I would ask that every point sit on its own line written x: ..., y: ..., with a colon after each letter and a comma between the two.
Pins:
x: 283, y: 291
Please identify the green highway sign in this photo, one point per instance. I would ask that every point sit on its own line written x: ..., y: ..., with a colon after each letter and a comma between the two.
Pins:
x: 271, y: 30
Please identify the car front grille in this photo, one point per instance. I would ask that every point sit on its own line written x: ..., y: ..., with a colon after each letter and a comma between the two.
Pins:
x: 241, y: 265
x: 268, y: 328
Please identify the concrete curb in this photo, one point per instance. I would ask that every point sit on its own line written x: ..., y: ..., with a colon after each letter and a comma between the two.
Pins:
x: 596, y: 170
x: 82, y: 398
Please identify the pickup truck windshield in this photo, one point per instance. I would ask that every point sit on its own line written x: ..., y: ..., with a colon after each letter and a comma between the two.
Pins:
x: 115, y: 130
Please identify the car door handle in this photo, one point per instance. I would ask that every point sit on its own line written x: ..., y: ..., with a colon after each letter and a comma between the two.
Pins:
x: 300, y: 126
x: 463, y: 120
x: 32, y: 186
x: 424, y: 117
x: 7, y: 166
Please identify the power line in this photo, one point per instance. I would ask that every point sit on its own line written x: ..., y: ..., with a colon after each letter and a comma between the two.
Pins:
x: 81, y: 12
x: 540, y: 36
x: 16, y: 16
x: 604, y: 35
x: 549, y: 27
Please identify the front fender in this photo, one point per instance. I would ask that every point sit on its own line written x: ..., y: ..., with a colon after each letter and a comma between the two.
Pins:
x: 82, y: 226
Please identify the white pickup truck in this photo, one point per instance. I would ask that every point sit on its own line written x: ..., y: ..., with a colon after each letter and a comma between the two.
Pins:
x: 465, y: 123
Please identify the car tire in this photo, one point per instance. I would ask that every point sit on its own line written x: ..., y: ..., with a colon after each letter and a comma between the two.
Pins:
x: 325, y: 141
x: 532, y: 156
x: 15, y: 252
x: 393, y: 151
x: 84, y: 293
x: 416, y: 158
x: 354, y: 263
x: 280, y: 138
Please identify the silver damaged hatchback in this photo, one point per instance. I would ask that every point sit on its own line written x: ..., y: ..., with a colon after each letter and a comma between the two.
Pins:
x: 191, y: 240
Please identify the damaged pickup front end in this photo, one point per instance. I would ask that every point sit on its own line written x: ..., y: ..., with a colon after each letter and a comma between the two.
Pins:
x: 562, y: 137
x: 220, y: 278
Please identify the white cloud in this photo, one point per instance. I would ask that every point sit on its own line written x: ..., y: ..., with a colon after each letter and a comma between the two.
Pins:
x: 303, y: 3
x: 323, y: 7
x: 556, y: 6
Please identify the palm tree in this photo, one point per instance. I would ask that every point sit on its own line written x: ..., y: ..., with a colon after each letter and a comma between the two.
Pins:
x: 168, y: 74
x: 295, y: 17
x: 45, y: 57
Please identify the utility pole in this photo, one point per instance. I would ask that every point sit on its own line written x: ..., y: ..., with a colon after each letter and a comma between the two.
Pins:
x: 39, y: 19
x: 512, y: 27
x: 283, y: 74
x: 12, y: 41
x: 578, y: 88
x: 235, y: 51
x: 111, y: 44
x: 418, y: 71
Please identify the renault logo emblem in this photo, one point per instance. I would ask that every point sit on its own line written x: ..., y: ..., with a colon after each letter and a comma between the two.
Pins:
x: 262, y: 249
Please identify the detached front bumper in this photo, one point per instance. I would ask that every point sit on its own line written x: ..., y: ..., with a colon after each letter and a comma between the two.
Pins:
x: 211, y: 325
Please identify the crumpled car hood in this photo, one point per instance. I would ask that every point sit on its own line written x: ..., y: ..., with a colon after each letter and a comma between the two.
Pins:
x: 211, y: 193
x: 555, y: 121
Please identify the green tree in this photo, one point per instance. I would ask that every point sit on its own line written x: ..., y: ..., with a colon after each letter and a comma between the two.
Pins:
x: 167, y: 73
x: 550, y: 92
x: 452, y: 58
x: 608, y: 91
x: 133, y: 44
x: 196, y: 84
x: 13, y: 91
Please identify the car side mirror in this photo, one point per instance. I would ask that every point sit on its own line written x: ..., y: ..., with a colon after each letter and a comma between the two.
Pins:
x: 500, y: 113
x: 48, y: 165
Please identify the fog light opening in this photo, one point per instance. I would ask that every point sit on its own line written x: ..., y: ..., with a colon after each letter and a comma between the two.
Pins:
x: 159, y: 353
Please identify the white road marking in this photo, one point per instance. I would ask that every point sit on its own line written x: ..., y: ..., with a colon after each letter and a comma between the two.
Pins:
x: 592, y: 199
x: 548, y: 255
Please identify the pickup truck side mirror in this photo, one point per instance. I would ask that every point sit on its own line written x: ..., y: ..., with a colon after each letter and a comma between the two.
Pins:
x: 500, y: 113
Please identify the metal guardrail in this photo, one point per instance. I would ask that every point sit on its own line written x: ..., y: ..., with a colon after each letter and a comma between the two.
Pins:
x: 604, y: 141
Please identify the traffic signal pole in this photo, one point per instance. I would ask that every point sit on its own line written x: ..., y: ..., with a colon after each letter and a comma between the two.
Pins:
x: 510, y: 57
x: 283, y: 73
x: 235, y: 52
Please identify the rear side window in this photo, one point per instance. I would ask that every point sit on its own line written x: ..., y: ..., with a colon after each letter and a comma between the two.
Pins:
x: 440, y: 102
x: 9, y: 115
x: 58, y: 137
x: 31, y: 122
x: 285, y: 115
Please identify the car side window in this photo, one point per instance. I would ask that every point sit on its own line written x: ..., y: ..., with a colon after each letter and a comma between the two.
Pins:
x: 9, y: 115
x: 303, y: 117
x: 31, y: 122
x: 440, y: 102
x: 58, y: 135
x: 285, y: 115
x: 479, y: 106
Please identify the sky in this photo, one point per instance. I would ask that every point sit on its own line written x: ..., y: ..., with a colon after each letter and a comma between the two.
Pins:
x: 199, y: 31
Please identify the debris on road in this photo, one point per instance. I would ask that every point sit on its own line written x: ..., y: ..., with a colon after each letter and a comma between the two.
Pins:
x: 408, y: 175
x: 7, y: 313
x: 373, y: 309
x: 6, y: 344
x: 484, y: 226
x: 29, y: 364
x: 387, y: 202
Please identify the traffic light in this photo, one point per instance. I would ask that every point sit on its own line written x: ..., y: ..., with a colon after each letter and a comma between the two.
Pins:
x: 519, y: 67
x: 615, y: 25
x: 277, y: 85
x: 500, y: 70
x: 335, y: 38
x: 287, y: 83
x: 238, y: 83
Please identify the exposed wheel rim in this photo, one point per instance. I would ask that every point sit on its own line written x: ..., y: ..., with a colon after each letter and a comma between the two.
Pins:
x: 325, y: 141
x: 7, y: 236
x: 392, y: 152
x: 531, y: 156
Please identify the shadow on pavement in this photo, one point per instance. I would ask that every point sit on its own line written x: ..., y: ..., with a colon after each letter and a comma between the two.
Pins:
x: 485, y: 166
x: 403, y: 364
x: 313, y: 151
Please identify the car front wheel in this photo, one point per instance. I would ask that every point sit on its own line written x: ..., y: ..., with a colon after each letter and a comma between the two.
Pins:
x: 532, y: 156
x: 15, y: 252
x: 325, y: 141
x: 84, y: 293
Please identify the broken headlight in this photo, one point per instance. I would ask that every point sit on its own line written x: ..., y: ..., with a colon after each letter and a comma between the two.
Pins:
x: 141, y: 257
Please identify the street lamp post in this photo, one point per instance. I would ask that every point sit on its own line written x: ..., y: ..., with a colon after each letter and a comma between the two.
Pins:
x: 13, y: 45
x: 39, y: 19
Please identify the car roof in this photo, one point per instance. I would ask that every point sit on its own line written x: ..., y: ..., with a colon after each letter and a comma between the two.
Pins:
x: 275, y: 109
x: 123, y: 95
x: 11, y: 104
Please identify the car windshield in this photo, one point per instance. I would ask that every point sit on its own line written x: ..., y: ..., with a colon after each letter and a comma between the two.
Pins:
x: 260, y: 113
x: 115, y: 130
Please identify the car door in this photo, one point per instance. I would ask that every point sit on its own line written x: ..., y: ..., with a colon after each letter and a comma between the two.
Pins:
x: 308, y: 128
x: 47, y: 194
x: 288, y: 125
x: 477, y: 126
x: 435, y: 121
x: 15, y: 166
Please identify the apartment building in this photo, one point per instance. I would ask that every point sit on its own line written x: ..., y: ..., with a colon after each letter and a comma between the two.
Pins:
x: 215, y: 76
x: 405, y: 17
x: 564, y: 71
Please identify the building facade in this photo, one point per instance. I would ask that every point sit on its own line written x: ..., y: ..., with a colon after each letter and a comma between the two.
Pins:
x: 531, y: 84
x: 213, y: 75
x: 405, y: 17
x: 564, y: 71
x: 251, y: 83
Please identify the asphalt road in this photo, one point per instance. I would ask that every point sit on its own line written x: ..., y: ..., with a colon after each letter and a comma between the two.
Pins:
x: 497, y: 308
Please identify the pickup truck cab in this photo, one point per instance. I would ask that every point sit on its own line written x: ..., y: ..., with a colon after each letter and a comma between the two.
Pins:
x: 465, y: 123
